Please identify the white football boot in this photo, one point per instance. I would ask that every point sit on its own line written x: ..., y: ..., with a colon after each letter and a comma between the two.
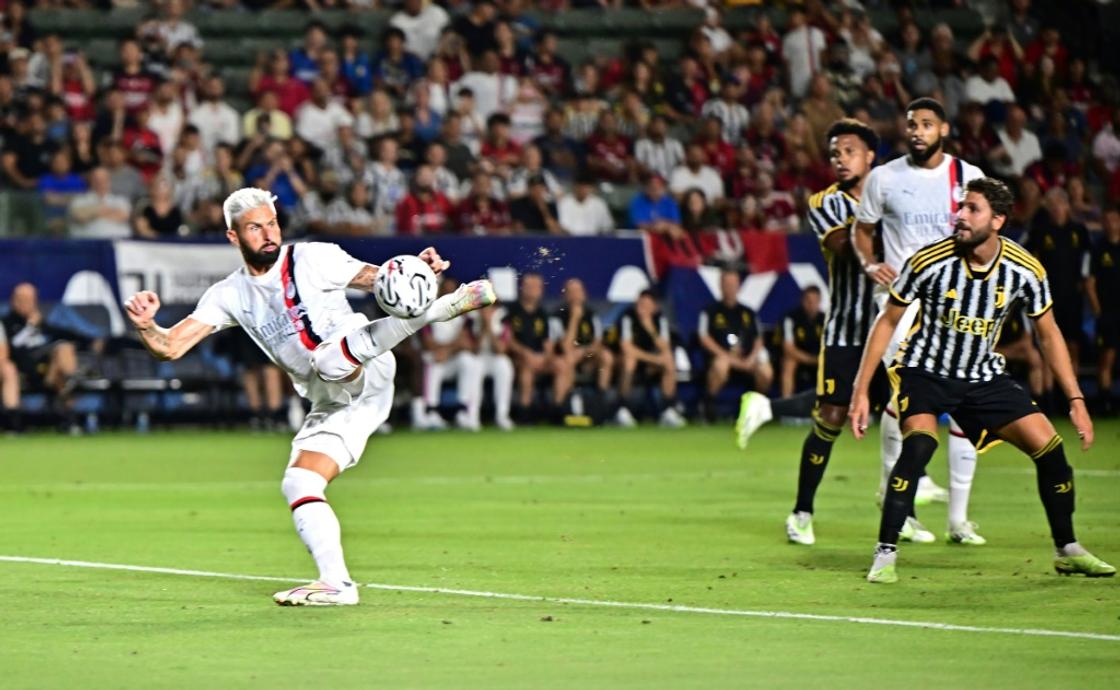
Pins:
x: 914, y: 531
x: 754, y: 411
x: 318, y: 593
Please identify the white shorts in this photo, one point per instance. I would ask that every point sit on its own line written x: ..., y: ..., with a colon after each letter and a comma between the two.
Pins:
x: 898, y: 338
x: 344, y: 415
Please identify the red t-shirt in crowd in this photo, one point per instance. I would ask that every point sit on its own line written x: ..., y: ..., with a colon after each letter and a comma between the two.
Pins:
x: 614, y: 154
x: 291, y: 93
x: 416, y: 216
x: 137, y: 88
x: 508, y: 153
x: 482, y: 217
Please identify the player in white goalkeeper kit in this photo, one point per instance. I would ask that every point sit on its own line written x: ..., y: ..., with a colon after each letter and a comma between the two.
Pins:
x: 291, y: 301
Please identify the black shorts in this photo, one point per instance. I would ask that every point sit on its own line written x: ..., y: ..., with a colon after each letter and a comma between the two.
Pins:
x: 1108, y: 331
x: 33, y: 362
x: 836, y: 375
x: 980, y: 408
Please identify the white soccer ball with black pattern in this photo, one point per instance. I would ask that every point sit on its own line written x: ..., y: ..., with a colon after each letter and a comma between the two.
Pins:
x: 405, y: 286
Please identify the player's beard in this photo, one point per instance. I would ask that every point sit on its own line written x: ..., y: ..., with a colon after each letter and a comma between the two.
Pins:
x: 261, y: 259
x: 923, y: 156
x: 850, y: 183
x: 978, y: 237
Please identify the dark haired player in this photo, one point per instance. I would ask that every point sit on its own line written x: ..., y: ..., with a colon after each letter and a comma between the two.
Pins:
x: 851, y: 150
x: 965, y: 286
x: 913, y: 200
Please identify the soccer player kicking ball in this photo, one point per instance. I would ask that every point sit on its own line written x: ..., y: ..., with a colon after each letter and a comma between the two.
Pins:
x: 851, y: 151
x: 291, y: 300
x: 965, y: 286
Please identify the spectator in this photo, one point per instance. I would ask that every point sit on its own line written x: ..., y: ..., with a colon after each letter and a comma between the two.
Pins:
x: 977, y: 142
x: 578, y: 335
x: 394, y: 68
x: 428, y: 121
x: 159, y: 216
x: 357, y: 68
x: 646, y: 360
x: 132, y: 80
x: 987, y: 85
x: 510, y: 57
x: 583, y: 212
x: 490, y: 88
x: 111, y: 117
x: 460, y: 159
x: 530, y: 347
x: 304, y: 60
x: 1048, y: 45
x: 776, y: 209
x: 421, y: 23
x: 531, y: 165
x: 560, y: 153
x: 492, y: 344
x: 764, y: 137
x: 732, y: 116
x: 11, y: 417
x: 445, y: 182
x: 26, y: 157
x: 864, y: 42
x: 801, y: 342
x: 273, y: 75
x: 166, y: 118
x: 696, y: 173
x: 72, y: 80
x: 83, y: 155
x: 498, y: 150
x: 278, y: 173
x: 1019, y: 143
x: 1083, y: 209
x: 266, y: 119
x: 380, y: 119
x: 476, y: 28
x: 218, y: 122
x: 448, y: 352
x: 658, y: 153
x: 318, y: 119
x: 1054, y: 170
x: 820, y: 109
x: 43, y: 354
x: 526, y: 113
x: 349, y: 214
x: 126, y: 180
x: 653, y: 210
x: 1062, y: 247
x: 1101, y: 287
x: 99, y: 213
x: 1023, y: 27
x: 801, y: 49
x: 719, y: 153
x: 59, y: 187
x: 262, y: 382
x: 845, y: 82
x: 482, y: 213
x: 143, y: 144
x: 173, y: 31
x: 1106, y: 146
x: 732, y: 343
x: 999, y: 45
x: 535, y: 211
x: 386, y: 181
x: 425, y: 210
x: 550, y: 71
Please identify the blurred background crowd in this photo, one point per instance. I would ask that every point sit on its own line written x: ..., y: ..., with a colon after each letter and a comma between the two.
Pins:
x: 691, y: 120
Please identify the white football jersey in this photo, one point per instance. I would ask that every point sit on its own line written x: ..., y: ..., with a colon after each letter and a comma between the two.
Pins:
x: 917, y: 206
x: 288, y: 311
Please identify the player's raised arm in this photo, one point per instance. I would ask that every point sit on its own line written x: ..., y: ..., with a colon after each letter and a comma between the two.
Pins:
x: 877, y: 343
x: 164, y: 343
x: 1056, y: 353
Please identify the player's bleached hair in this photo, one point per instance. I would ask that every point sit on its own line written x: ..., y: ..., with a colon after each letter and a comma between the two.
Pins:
x: 246, y: 199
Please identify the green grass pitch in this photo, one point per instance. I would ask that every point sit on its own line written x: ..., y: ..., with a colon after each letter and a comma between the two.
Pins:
x: 634, y: 516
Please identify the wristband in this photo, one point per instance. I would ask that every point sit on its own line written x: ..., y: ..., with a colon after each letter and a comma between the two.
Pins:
x: 1077, y: 397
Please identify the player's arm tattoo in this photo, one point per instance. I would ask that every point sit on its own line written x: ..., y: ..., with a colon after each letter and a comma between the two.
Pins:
x: 156, y: 340
x: 364, y: 279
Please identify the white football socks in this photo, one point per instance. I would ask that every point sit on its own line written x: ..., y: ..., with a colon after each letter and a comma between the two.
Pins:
x: 962, y: 468
x: 316, y: 523
x: 890, y: 446
x: 337, y: 359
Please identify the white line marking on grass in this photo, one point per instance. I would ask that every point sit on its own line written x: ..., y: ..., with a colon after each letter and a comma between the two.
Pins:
x: 669, y: 608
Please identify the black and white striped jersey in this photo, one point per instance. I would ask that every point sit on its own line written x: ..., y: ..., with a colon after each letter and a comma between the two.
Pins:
x: 733, y: 118
x: 851, y: 309
x: 962, y: 309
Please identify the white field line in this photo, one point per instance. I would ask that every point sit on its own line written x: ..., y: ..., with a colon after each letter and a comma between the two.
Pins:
x: 516, y: 480
x: 600, y: 603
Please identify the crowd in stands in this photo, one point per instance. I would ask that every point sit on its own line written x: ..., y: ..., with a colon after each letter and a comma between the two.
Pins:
x: 464, y: 117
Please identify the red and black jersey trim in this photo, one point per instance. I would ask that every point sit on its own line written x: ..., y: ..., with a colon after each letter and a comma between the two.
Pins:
x: 292, y: 302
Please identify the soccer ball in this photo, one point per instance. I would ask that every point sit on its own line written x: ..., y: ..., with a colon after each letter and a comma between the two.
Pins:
x: 405, y: 286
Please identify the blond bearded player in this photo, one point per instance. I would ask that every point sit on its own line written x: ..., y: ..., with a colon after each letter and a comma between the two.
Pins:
x: 291, y: 300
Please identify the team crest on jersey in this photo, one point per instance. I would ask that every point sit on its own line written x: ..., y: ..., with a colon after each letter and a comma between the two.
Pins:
x: 1001, y: 297
x: 290, y: 290
x: 1106, y: 260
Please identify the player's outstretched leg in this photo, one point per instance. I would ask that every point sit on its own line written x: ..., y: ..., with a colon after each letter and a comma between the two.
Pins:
x: 962, y: 468
x: 338, y: 359
x: 755, y: 410
x: 318, y: 527
x: 918, y: 446
x: 815, y: 453
x: 1055, y: 488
